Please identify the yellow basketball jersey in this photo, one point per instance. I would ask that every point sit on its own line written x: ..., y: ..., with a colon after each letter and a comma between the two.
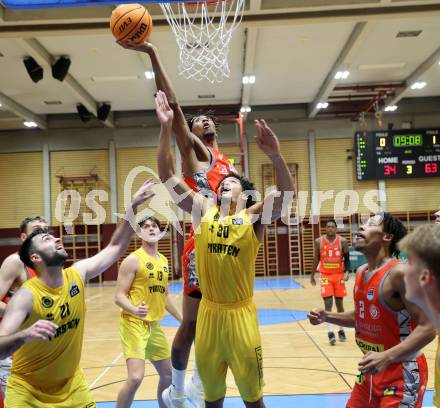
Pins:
x: 226, y: 250
x: 436, y: 399
x: 47, y: 368
x: 150, y: 285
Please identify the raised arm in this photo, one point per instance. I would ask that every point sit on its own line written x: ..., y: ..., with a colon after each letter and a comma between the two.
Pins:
x: 94, y: 266
x: 17, y: 311
x: 268, y: 142
x: 11, y: 271
x: 191, y: 147
x: 180, y: 192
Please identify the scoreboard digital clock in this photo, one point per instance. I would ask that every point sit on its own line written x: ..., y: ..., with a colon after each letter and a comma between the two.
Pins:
x: 397, y: 154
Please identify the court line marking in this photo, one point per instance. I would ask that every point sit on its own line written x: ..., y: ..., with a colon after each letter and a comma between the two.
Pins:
x: 300, y: 324
x: 104, y: 372
x: 93, y: 297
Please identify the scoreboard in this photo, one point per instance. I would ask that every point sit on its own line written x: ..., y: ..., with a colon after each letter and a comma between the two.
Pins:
x: 396, y: 154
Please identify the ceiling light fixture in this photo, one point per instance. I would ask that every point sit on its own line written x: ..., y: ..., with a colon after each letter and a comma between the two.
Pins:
x: 149, y: 75
x: 245, y: 109
x: 322, y: 105
x: 418, y: 85
x: 30, y: 124
x: 248, y: 79
x: 390, y: 108
x: 342, y: 74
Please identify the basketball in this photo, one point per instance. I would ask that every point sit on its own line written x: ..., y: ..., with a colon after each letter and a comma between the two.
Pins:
x: 131, y: 22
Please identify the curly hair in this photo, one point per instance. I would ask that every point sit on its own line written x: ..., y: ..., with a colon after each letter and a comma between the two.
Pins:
x: 209, y: 114
x: 246, y: 185
x: 392, y: 225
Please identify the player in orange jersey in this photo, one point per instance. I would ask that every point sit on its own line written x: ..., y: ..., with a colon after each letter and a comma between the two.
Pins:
x: 390, y: 330
x: 332, y: 261
x: 13, y: 273
x: 203, y: 168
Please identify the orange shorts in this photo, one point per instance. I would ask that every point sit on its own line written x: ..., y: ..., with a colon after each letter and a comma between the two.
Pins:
x: 399, y: 385
x: 333, y: 285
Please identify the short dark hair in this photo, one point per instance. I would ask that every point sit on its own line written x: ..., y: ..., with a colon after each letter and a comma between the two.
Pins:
x: 27, y: 220
x: 27, y: 247
x: 392, y: 225
x: 209, y: 114
x: 149, y: 218
x: 246, y: 185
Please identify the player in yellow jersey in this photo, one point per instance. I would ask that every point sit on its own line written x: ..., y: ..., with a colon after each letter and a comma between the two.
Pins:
x: 13, y: 273
x: 226, y: 244
x: 44, y: 321
x: 142, y: 293
x: 422, y: 279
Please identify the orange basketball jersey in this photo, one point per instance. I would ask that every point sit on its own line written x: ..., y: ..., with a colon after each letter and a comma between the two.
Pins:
x: 330, y: 256
x: 378, y: 328
x: 207, y: 181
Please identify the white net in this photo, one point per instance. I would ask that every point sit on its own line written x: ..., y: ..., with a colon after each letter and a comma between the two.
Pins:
x: 203, y: 33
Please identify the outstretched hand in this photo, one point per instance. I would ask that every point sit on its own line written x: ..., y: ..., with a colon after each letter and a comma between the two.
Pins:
x: 143, y: 194
x: 163, y: 111
x: 266, y: 139
x: 142, y: 47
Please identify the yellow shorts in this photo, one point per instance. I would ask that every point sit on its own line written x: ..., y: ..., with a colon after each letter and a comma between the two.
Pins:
x: 143, y: 340
x: 229, y: 337
x: 22, y: 395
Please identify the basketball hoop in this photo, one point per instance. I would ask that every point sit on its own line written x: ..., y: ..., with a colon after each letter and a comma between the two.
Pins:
x: 203, y: 33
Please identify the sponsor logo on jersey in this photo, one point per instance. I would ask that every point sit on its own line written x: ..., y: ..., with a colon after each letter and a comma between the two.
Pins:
x: 237, y: 221
x: 365, y: 346
x: 374, y: 312
x: 231, y: 250
x: 149, y: 266
x: 157, y: 288
x: 47, y: 301
x: 390, y: 391
x: 370, y: 294
x: 165, y: 269
x: 74, y: 290
x: 70, y: 325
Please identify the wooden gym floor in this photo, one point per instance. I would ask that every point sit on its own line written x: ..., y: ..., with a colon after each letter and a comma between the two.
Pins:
x: 297, y: 356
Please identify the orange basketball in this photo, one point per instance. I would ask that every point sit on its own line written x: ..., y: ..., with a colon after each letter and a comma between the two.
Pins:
x: 131, y: 22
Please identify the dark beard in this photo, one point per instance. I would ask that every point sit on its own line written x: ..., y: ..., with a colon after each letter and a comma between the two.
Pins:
x: 56, y: 259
